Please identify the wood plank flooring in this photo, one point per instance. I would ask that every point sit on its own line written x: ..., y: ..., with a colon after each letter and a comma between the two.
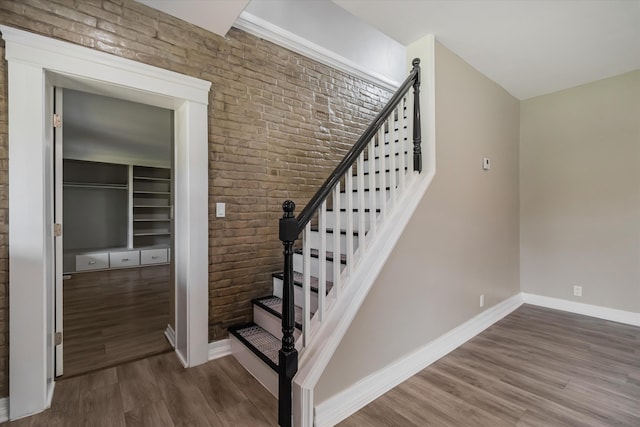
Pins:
x: 536, y: 367
x: 159, y: 392
x: 115, y: 316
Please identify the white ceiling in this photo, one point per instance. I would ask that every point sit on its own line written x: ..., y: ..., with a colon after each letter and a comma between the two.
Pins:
x: 528, y: 47
x: 216, y: 16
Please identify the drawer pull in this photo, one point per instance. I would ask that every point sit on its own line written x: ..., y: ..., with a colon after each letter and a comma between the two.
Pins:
x: 125, y: 259
x: 91, y: 262
x: 155, y: 257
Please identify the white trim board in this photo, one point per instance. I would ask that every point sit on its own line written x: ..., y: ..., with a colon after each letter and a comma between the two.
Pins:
x: 4, y: 409
x: 349, y: 401
x: 266, y: 30
x: 605, y: 313
x: 35, y: 64
x: 220, y: 348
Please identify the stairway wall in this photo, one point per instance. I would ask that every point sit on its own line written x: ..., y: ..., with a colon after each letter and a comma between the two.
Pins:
x: 462, y: 241
x: 278, y: 124
x: 580, y: 193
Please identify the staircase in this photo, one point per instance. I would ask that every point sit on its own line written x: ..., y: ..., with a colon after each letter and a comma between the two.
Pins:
x: 338, y: 228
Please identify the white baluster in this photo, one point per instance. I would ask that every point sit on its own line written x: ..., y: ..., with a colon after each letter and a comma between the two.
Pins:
x: 306, y: 283
x: 383, y: 174
x: 361, y: 203
x: 372, y: 187
x: 349, y: 224
x: 402, y: 142
x: 392, y: 162
x: 336, y: 242
x: 322, y: 260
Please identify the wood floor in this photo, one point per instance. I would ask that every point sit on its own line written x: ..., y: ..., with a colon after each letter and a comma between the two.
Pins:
x: 159, y: 392
x: 110, y: 317
x: 536, y: 367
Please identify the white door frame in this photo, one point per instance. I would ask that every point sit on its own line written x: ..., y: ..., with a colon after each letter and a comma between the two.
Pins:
x: 32, y: 60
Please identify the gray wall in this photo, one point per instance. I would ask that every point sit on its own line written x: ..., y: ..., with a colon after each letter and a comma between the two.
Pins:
x: 103, y: 129
x: 461, y: 242
x: 580, y: 193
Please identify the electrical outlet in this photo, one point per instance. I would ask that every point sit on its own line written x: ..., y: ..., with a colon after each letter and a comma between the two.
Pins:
x: 481, y: 300
x: 577, y: 291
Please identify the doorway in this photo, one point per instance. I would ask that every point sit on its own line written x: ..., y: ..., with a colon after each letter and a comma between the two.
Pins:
x: 36, y: 64
x: 114, y: 199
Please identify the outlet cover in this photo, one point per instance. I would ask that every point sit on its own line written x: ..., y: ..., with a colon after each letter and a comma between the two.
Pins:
x: 577, y: 291
x: 481, y: 300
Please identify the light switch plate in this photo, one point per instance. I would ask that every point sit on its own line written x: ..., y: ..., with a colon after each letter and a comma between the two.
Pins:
x: 486, y: 163
x: 220, y: 210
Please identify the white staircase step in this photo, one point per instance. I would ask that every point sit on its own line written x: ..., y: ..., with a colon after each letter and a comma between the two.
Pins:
x: 298, y: 296
x: 257, y: 351
x: 378, y: 179
x: 331, y: 235
x: 331, y: 218
x: 315, y: 262
x: 367, y: 163
x: 267, y: 313
x: 367, y: 199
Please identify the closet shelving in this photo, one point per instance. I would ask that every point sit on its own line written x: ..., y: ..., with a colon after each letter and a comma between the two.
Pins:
x: 115, y: 215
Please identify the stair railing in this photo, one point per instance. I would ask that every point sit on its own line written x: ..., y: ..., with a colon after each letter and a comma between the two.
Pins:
x: 381, y: 140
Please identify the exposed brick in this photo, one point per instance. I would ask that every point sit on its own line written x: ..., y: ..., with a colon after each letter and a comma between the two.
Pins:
x: 278, y: 124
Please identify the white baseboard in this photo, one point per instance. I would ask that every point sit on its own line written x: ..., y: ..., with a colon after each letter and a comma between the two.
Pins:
x: 171, y: 335
x: 605, y: 313
x: 4, y: 409
x: 220, y: 348
x: 357, y: 396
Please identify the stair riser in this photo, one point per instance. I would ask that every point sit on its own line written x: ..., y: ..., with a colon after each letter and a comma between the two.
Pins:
x: 315, y: 241
x: 315, y: 265
x: 386, y: 148
x: 387, y: 163
x: 367, y: 201
x: 298, y: 296
x: 273, y: 324
x: 377, y: 179
x: 256, y: 367
x: 331, y: 221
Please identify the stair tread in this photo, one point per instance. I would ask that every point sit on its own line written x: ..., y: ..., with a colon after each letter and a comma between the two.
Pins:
x: 330, y: 230
x: 298, y: 278
x: 315, y: 253
x: 260, y: 342
x: 354, y: 210
x: 273, y: 305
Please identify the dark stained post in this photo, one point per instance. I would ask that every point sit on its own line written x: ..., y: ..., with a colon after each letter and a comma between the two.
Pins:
x: 417, y: 131
x: 288, y: 355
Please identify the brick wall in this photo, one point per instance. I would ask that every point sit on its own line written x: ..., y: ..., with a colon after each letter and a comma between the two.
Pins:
x: 278, y: 123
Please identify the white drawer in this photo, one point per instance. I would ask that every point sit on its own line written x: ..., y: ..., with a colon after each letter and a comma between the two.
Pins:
x: 97, y: 261
x: 153, y: 256
x: 124, y: 259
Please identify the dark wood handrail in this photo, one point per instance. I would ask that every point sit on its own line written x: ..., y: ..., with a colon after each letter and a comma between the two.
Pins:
x: 291, y: 227
x: 321, y: 195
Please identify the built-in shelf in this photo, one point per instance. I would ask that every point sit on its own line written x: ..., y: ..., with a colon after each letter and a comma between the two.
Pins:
x: 151, y: 196
x: 147, y: 178
x: 151, y: 233
x: 152, y: 192
x: 95, y: 186
x: 151, y: 219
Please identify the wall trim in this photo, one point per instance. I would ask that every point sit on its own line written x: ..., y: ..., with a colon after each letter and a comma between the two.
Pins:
x: 220, y: 348
x: 605, y: 313
x: 170, y: 334
x: 349, y: 401
x: 4, y: 409
x: 268, y: 31
x: 35, y: 64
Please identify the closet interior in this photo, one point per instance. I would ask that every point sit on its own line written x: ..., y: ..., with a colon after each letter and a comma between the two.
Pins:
x: 117, y: 204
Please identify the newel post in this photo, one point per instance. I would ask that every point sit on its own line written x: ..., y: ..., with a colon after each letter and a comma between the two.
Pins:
x: 417, y: 131
x: 288, y: 355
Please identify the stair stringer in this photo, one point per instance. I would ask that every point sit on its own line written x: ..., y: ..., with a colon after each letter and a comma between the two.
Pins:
x: 317, y: 354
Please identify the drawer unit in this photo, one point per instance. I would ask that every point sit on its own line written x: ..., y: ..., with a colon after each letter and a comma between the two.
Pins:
x: 153, y: 256
x: 97, y: 261
x: 124, y: 259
